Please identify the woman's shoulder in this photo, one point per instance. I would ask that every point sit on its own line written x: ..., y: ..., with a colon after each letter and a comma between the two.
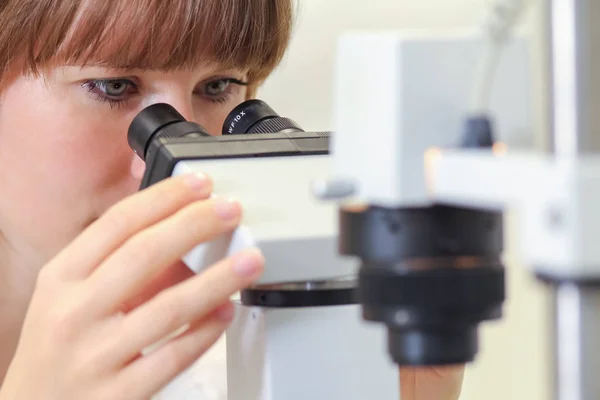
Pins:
x: 204, y: 380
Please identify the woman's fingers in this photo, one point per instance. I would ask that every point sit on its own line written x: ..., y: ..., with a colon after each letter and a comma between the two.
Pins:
x: 125, y: 219
x: 155, y: 370
x: 186, y: 303
x: 171, y: 276
x: 129, y: 269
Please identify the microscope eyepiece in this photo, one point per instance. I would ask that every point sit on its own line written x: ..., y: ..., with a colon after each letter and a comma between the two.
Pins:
x: 159, y: 121
x: 256, y: 116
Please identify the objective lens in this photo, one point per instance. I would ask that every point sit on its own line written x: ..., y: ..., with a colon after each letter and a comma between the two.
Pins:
x: 431, y: 275
x: 159, y: 121
x: 255, y: 116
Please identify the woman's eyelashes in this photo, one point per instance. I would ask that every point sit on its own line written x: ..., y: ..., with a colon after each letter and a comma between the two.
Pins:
x: 117, y: 91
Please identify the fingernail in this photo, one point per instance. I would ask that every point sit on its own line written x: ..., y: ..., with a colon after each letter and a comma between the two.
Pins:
x: 249, y: 264
x: 226, y: 313
x: 196, y: 181
x: 227, y: 208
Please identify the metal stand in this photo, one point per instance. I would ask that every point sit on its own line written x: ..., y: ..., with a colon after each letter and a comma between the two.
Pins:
x: 577, y: 326
x: 575, y: 46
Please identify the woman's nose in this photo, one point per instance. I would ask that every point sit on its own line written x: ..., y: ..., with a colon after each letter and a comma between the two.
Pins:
x: 137, y: 167
x: 183, y: 107
x: 186, y: 109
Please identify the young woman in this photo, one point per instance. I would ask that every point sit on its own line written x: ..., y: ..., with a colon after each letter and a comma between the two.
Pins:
x: 89, y: 275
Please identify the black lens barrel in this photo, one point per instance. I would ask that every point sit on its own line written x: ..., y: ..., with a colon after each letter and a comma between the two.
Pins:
x: 431, y: 275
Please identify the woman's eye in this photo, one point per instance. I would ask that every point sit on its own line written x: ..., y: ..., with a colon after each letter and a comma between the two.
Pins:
x: 113, y: 88
x: 112, y: 91
x: 216, y: 88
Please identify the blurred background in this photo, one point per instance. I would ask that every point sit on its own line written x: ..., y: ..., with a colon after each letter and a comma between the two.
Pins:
x: 514, y: 359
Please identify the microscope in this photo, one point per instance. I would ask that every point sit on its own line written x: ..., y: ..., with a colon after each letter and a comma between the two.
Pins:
x: 383, y: 240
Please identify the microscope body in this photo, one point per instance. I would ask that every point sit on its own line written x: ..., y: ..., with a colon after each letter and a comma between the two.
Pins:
x: 300, y: 332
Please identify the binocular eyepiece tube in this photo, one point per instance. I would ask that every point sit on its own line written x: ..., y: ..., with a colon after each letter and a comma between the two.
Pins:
x: 162, y: 121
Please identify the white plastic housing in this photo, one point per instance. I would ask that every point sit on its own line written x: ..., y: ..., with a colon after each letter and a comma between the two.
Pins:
x: 398, y: 94
x: 319, y: 353
x: 296, y: 232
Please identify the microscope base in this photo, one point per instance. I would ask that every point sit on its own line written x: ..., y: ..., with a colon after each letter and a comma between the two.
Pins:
x: 317, y: 353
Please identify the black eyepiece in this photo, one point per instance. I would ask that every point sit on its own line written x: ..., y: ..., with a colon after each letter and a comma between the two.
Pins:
x: 256, y: 116
x: 159, y: 121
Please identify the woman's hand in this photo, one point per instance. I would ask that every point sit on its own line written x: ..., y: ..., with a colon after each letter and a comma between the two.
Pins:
x: 439, y: 383
x: 120, y: 288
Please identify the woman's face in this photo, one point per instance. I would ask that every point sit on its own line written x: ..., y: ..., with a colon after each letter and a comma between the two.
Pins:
x: 64, y: 157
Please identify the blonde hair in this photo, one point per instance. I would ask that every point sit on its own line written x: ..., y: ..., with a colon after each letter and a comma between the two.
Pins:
x: 145, y: 34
